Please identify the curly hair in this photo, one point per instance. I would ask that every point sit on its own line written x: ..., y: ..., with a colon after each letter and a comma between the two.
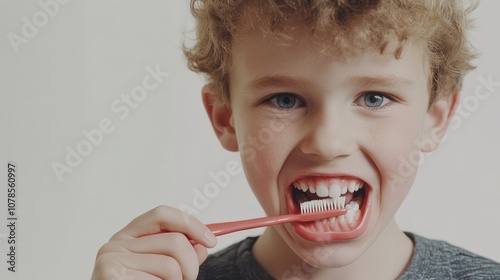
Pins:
x: 351, y: 26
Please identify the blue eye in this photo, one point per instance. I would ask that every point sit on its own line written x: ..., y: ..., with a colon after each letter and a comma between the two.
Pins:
x: 285, y: 101
x: 373, y: 100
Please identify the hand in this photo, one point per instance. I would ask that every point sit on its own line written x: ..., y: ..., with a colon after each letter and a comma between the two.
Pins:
x: 155, y: 245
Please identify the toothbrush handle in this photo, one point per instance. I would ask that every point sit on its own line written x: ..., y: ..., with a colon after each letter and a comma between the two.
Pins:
x: 229, y: 227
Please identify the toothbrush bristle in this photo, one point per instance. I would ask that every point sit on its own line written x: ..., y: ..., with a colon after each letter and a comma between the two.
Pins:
x: 328, y: 204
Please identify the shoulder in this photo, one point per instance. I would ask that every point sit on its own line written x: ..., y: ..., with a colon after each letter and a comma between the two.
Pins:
x: 233, y: 262
x: 434, y: 259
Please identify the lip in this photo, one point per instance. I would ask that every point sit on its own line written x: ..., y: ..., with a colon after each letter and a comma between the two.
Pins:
x: 365, y: 210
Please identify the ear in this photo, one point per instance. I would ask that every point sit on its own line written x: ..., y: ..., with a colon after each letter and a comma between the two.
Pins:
x: 438, y: 118
x: 221, y: 117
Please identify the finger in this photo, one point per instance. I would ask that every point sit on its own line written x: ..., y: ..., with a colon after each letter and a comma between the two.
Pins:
x: 106, y: 268
x: 162, y: 267
x: 167, y: 219
x: 124, y: 273
x: 138, y: 275
x: 201, y: 253
x: 175, y: 245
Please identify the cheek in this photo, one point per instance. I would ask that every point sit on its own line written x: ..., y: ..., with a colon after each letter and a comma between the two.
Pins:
x: 263, y: 149
x: 396, y: 154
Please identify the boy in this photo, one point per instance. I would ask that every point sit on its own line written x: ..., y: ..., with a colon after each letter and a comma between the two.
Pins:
x: 342, y: 89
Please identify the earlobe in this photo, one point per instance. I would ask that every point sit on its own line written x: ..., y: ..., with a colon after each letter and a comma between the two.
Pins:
x: 221, y: 117
x: 438, y: 118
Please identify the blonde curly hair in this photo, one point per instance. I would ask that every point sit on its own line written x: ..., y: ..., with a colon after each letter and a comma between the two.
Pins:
x: 351, y: 26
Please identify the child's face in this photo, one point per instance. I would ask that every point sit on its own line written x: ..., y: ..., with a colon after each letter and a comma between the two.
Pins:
x: 300, y: 117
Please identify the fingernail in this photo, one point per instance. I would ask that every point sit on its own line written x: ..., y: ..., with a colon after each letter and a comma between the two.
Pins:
x: 210, y: 238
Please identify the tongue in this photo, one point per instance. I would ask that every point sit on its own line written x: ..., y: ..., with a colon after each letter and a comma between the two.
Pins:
x: 313, y: 196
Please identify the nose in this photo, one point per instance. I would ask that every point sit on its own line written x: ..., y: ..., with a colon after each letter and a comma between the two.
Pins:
x: 329, y: 136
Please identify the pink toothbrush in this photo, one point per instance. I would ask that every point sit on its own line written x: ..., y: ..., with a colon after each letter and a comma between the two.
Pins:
x: 229, y: 227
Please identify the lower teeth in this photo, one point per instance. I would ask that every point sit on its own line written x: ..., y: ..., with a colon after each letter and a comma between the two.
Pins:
x: 334, y: 223
x: 352, y: 209
x: 350, y: 217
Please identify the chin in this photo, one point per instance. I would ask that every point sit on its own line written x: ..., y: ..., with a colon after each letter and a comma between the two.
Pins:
x: 325, y: 255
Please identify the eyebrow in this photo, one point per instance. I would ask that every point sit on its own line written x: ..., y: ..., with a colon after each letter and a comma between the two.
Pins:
x: 383, y: 81
x: 290, y: 81
x: 279, y: 81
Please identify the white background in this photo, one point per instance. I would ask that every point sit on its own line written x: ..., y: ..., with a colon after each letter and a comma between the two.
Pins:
x: 64, y: 80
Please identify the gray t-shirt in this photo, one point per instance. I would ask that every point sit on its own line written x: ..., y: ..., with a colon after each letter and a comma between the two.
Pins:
x: 432, y: 259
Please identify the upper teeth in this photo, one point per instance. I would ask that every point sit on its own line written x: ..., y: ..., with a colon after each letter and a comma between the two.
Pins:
x: 334, y: 188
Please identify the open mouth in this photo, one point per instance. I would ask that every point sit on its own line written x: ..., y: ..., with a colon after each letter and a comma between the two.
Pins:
x: 313, y: 194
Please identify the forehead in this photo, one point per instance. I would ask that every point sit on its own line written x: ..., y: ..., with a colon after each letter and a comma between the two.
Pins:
x: 344, y: 29
x: 258, y: 53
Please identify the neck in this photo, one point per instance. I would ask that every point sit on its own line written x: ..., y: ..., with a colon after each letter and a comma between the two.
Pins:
x: 387, y: 258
